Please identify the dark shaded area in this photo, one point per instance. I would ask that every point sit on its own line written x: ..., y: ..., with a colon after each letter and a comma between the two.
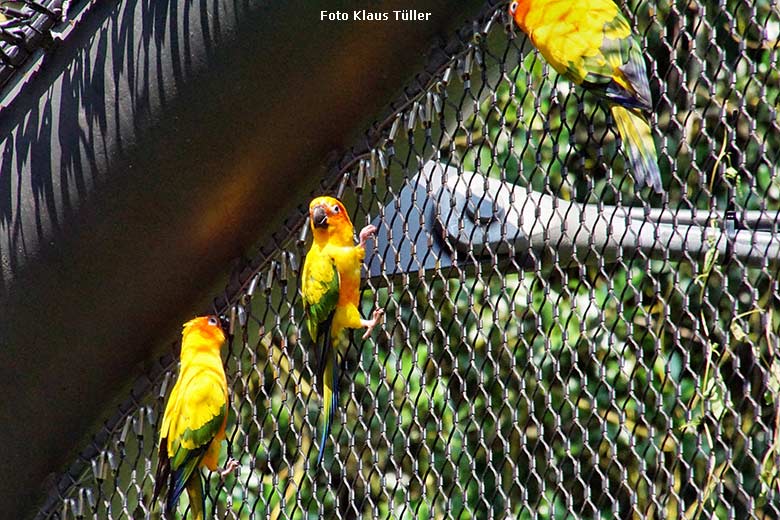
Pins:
x: 154, y: 144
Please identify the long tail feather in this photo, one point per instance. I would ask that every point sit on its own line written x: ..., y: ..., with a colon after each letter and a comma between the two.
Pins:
x: 327, y: 371
x: 330, y: 393
x: 639, y: 146
x: 330, y: 397
x: 197, y: 498
x: 180, y: 479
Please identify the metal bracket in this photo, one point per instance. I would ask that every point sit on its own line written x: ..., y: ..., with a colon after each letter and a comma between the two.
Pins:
x: 445, y: 218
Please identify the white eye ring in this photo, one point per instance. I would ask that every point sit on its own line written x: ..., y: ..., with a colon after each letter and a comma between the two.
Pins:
x: 336, y: 209
x: 213, y: 321
x: 513, y: 7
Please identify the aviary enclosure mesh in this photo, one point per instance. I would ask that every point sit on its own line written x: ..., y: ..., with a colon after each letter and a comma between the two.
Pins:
x: 518, y: 379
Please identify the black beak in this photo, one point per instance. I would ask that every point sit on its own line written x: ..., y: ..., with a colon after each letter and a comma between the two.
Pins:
x: 319, y: 218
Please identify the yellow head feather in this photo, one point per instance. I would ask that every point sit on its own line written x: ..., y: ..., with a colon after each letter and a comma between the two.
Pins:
x: 202, y: 331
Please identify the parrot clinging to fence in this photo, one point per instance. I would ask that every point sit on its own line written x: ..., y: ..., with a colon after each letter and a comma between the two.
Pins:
x: 591, y: 44
x: 330, y: 288
x: 193, y: 426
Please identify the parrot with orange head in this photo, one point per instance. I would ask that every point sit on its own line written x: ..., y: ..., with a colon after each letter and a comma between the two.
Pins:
x: 193, y: 425
x: 331, y: 294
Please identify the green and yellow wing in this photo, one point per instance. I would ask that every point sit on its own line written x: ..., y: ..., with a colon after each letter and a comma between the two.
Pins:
x: 194, y: 417
x: 320, y: 289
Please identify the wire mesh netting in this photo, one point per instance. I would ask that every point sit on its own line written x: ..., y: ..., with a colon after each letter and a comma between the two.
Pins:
x: 25, y: 26
x: 556, y: 344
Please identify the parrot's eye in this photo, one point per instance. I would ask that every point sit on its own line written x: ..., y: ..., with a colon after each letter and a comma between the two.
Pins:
x: 213, y: 321
x: 513, y: 7
x: 336, y: 209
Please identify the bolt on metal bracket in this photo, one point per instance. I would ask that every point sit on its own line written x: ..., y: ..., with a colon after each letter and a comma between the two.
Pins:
x: 444, y: 216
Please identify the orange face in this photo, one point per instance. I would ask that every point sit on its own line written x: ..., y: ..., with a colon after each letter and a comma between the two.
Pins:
x: 328, y: 214
x: 206, y: 328
x: 517, y: 10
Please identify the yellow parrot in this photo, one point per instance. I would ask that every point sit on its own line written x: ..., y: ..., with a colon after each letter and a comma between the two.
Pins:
x: 590, y: 43
x: 193, y: 426
x: 331, y: 294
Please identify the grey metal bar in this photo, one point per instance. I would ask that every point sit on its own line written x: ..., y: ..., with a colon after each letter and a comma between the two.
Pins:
x: 449, y: 213
x: 753, y: 219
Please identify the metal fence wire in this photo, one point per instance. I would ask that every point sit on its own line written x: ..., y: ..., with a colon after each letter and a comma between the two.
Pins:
x: 557, y: 344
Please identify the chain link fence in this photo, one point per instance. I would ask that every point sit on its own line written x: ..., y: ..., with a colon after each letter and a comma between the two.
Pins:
x: 557, y: 344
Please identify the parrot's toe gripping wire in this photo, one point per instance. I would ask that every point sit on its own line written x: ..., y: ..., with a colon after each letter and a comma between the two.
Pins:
x: 375, y: 320
x: 366, y: 233
x: 230, y: 466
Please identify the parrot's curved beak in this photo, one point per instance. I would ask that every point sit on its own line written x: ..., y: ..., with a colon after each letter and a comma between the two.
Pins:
x: 319, y: 217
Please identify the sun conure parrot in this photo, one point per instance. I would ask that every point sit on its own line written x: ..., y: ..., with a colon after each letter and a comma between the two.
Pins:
x: 590, y: 43
x: 330, y: 289
x: 193, y: 426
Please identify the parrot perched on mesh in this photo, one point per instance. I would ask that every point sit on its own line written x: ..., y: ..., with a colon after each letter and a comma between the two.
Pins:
x: 193, y: 426
x: 591, y: 44
x: 331, y: 294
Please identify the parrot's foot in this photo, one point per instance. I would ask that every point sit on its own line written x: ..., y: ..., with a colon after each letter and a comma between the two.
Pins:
x: 375, y: 320
x: 231, y: 466
x: 367, y: 233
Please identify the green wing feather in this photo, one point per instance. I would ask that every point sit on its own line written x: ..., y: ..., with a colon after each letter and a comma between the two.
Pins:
x: 199, y: 409
x: 619, y: 51
x: 619, y: 76
x: 185, y: 461
x: 320, y: 292
x: 193, y: 439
